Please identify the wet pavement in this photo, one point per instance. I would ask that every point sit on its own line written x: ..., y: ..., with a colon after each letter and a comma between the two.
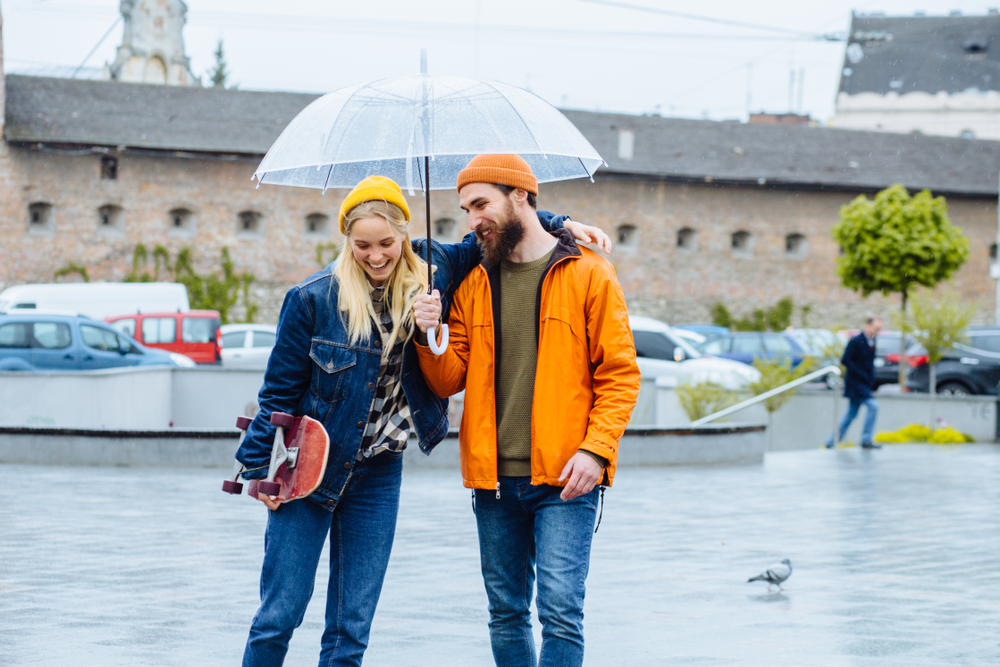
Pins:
x: 896, y: 556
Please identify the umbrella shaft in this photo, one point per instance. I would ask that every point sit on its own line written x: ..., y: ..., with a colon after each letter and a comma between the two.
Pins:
x: 427, y: 202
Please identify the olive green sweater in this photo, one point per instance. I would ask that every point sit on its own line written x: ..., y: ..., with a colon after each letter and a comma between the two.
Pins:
x: 516, y: 368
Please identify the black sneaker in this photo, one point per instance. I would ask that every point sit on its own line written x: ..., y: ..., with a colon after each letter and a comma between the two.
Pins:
x: 870, y: 445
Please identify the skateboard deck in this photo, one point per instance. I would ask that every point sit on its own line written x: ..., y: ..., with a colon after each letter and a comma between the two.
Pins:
x: 313, y: 443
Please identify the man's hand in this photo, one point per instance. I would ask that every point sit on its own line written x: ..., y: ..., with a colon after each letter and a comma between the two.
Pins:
x: 584, y: 473
x: 271, y: 501
x: 589, y: 234
x: 427, y: 310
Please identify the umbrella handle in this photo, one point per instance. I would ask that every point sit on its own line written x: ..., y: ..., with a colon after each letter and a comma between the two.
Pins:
x: 432, y: 340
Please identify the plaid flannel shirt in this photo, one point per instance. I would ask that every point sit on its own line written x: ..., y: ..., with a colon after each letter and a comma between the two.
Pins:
x: 389, y: 423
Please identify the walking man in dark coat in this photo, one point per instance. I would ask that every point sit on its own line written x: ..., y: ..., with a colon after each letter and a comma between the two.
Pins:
x: 859, y: 358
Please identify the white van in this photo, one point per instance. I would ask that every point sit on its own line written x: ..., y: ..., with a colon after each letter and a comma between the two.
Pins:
x: 96, y: 300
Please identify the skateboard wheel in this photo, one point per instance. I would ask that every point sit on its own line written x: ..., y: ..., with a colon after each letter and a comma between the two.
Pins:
x: 233, y: 487
x: 282, y: 419
x: 269, y: 488
x: 243, y: 423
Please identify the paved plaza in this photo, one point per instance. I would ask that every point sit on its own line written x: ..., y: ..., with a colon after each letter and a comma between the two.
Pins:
x: 896, y: 556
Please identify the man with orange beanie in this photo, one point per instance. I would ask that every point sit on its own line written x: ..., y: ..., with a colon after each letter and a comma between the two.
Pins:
x: 541, y: 344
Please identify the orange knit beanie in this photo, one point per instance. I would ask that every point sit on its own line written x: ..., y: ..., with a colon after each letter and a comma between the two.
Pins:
x: 509, y: 170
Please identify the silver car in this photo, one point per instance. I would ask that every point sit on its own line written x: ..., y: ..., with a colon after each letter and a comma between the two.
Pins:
x: 247, y: 346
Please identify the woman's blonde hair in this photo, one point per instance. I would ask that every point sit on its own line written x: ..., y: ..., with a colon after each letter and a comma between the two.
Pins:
x: 408, y: 279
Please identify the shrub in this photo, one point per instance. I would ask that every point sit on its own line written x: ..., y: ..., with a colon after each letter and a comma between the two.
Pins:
x: 920, y: 433
x: 949, y: 436
x: 704, y: 398
x: 774, y: 373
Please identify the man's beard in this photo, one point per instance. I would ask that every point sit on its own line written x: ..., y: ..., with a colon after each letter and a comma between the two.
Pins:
x: 505, y: 236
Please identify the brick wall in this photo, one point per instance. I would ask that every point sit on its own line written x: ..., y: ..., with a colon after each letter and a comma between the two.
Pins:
x: 660, y: 279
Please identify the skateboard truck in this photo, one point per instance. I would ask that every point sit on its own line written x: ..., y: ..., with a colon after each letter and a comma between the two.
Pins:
x: 279, y: 454
x: 232, y: 485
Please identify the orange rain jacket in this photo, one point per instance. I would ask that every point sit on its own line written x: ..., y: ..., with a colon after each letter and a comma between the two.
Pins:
x: 586, y: 380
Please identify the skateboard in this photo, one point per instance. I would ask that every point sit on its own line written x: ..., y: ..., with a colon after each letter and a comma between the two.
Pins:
x: 298, y: 459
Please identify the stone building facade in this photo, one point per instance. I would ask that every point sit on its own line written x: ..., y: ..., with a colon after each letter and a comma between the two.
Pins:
x: 703, y: 212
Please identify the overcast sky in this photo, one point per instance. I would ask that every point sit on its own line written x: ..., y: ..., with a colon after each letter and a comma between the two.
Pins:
x: 580, y: 54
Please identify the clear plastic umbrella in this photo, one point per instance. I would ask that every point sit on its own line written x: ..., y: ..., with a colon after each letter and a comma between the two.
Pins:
x: 421, y: 131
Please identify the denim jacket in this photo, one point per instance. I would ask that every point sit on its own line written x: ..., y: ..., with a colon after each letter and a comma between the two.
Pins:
x: 314, y: 370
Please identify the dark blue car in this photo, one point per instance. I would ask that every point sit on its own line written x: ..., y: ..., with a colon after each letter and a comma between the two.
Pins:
x: 49, y: 342
x: 745, y: 346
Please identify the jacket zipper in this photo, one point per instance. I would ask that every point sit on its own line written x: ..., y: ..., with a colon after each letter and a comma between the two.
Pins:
x: 498, y: 490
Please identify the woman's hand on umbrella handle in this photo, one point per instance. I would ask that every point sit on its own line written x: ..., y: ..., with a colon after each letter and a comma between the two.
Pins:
x: 427, y: 311
x: 589, y: 234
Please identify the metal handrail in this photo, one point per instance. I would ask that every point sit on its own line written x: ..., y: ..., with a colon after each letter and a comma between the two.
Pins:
x: 826, y: 370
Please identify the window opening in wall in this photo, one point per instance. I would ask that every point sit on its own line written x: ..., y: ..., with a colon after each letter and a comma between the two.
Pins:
x: 795, y: 244
x: 686, y: 238
x: 39, y: 215
x: 109, y: 167
x: 741, y: 241
x: 628, y: 236
x: 108, y: 216
x: 317, y: 223
x: 444, y: 228
x: 180, y: 218
x: 626, y: 144
x: 993, y: 252
x: 249, y: 222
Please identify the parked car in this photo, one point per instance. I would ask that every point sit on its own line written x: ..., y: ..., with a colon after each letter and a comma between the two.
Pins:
x: 706, y: 330
x: 96, y: 300
x: 662, y: 351
x: 745, y: 346
x: 199, y: 332
x: 247, y: 345
x: 692, y: 337
x: 972, y: 368
x: 46, y: 342
x: 887, y: 357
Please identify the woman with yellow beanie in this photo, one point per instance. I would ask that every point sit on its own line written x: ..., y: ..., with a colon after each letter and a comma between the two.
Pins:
x: 344, y: 356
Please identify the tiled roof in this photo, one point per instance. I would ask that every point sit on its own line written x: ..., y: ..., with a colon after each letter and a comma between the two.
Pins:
x: 922, y: 53
x: 176, y: 118
x: 802, y: 156
x: 68, y: 112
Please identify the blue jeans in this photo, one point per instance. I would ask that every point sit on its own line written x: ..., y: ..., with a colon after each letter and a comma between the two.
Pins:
x: 867, y: 431
x: 361, y: 529
x: 527, y: 529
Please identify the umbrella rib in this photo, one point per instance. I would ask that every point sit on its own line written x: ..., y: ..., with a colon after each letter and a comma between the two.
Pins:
x: 352, y: 121
x: 516, y: 112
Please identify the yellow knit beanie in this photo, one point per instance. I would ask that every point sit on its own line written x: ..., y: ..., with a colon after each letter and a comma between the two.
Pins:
x: 509, y: 170
x: 374, y: 188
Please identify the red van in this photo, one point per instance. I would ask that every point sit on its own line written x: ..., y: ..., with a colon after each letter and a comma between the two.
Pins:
x: 194, y: 333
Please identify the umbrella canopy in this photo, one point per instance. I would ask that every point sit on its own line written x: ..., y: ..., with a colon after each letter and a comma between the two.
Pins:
x: 387, y: 127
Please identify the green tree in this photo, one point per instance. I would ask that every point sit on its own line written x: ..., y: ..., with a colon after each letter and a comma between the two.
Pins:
x: 219, y: 73
x: 939, y: 325
x: 896, y: 242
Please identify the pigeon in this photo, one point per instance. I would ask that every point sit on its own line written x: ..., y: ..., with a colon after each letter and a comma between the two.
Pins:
x: 775, y: 574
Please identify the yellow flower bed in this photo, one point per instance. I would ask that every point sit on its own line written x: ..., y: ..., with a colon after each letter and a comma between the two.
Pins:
x: 920, y: 433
